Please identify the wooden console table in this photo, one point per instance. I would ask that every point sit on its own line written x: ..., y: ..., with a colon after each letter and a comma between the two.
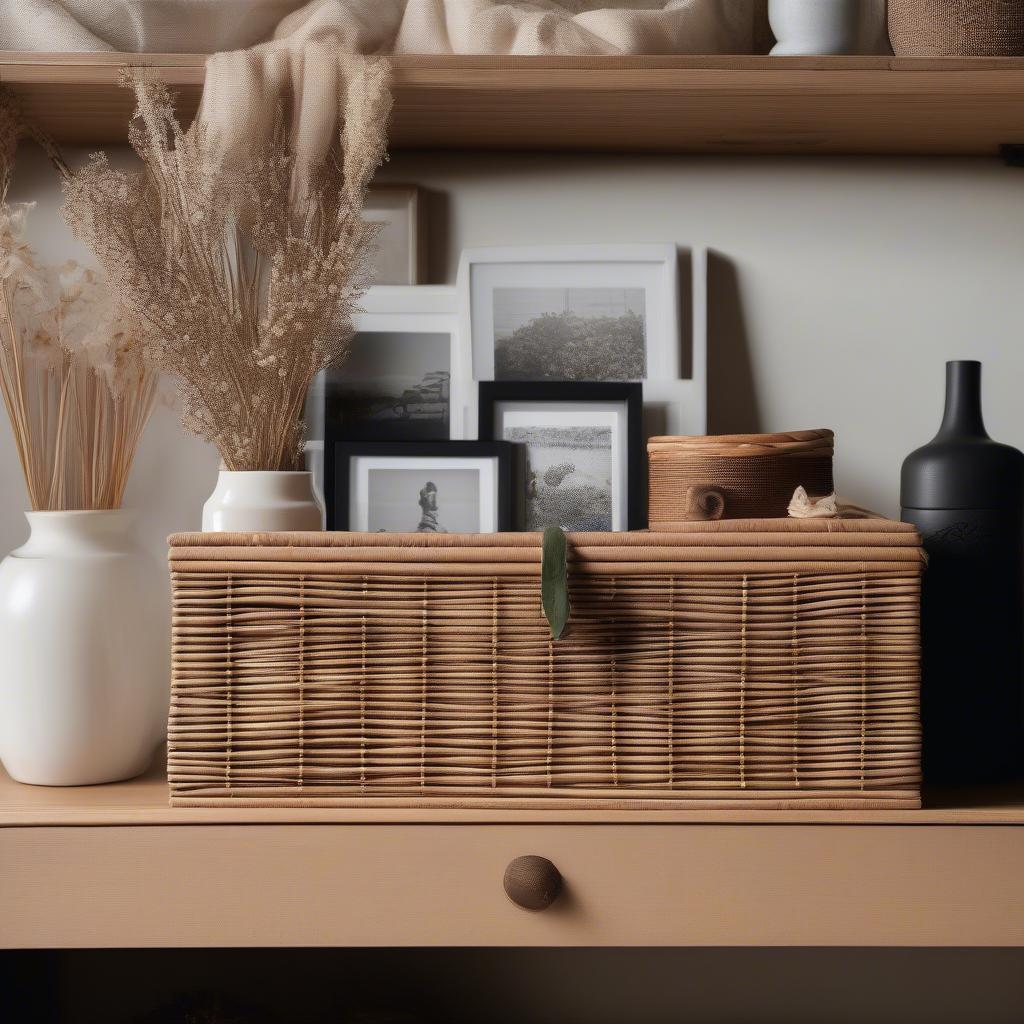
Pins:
x: 115, y: 866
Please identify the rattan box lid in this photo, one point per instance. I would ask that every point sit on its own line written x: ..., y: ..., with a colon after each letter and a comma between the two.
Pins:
x: 755, y: 545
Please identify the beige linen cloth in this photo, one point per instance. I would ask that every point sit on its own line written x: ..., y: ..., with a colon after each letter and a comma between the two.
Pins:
x: 573, y: 27
x: 290, y: 48
x: 300, y: 44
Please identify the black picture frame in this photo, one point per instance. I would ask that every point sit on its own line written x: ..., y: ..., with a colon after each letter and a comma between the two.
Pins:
x: 493, y: 392
x: 337, y: 483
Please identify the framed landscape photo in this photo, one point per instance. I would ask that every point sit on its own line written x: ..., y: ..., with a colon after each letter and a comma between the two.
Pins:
x: 406, y: 377
x: 579, y: 450
x: 572, y: 313
x: 447, y: 487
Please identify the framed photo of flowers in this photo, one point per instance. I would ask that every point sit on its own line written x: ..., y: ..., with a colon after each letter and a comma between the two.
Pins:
x: 579, y: 451
x: 419, y: 487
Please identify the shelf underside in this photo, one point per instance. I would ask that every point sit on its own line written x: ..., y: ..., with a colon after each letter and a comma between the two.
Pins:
x: 741, y: 105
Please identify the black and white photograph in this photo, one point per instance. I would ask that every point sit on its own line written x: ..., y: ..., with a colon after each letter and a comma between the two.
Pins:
x: 568, y: 476
x: 572, y: 313
x: 395, y: 385
x: 570, y: 334
x: 429, y: 487
x: 417, y: 499
x: 579, y: 451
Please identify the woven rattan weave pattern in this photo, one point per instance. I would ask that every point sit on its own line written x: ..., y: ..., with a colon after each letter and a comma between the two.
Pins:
x: 765, y: 662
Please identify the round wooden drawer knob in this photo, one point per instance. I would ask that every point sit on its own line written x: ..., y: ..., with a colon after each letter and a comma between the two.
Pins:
x: 532, y: 883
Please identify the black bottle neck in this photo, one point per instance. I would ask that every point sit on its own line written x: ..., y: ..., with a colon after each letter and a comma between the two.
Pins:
x: 962, y: 416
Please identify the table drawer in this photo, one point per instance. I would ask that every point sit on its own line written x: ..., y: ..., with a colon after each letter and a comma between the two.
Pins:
x: 411, y: 885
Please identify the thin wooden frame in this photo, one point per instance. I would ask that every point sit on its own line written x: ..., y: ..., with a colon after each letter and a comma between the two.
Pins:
x: 567, y: 393
x: 413, y: 206
x: 338, y: 484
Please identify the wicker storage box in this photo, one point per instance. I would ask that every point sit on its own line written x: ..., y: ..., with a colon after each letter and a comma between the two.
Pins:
x: 767, y: 663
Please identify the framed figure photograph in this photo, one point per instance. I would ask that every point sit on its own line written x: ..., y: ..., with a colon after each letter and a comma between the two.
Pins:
x: 447, y: 487
x: 572, y: 313
x: 579, y: 451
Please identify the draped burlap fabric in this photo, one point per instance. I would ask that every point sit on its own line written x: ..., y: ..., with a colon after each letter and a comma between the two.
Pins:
x: 573, y: 27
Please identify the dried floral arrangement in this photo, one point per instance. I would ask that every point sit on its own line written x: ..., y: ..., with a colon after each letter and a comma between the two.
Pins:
x: 75, y: 380
x: 245, y: 274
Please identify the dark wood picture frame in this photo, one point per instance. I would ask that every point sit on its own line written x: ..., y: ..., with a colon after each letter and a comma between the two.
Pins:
x: 493, y: 392
x: 337, y: 483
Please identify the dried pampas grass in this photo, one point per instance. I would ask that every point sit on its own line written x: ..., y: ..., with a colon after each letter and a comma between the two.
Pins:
x: 74, y: 379
x: 244, y: 274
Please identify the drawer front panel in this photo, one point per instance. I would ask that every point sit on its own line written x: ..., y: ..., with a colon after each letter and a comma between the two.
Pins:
x: 413, y: 885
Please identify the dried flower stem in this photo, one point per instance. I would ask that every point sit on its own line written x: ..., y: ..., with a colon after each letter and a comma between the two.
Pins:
x: 243, y: 274
x: 72, y: 374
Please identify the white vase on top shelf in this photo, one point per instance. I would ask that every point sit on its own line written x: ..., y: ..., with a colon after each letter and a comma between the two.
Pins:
x: 828, y: 27
x: 85, y: 640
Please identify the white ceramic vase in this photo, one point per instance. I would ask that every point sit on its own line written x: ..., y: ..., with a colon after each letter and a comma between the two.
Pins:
x: 824, y: 27
x: 258, y: 502
x: 85, y: 642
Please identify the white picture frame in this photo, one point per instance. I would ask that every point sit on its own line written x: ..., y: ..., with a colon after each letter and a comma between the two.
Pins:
x: 419, y: 309
x: 675, y: 389
x: 486, y: 273
x: 426, y: 309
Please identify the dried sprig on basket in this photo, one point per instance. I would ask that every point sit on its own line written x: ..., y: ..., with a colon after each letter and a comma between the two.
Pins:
x: 73, y: 375
x: 244, y: 274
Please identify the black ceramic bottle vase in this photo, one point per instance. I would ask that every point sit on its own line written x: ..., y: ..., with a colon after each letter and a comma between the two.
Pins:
x: 965, y: 494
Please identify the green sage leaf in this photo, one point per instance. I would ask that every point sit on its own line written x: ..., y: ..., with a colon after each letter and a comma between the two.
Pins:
x: 554, y: 582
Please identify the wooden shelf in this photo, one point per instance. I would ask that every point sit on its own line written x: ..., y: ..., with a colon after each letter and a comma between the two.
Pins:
x: 741, y: 105
x: 144, y: 801
x: 114, y: 867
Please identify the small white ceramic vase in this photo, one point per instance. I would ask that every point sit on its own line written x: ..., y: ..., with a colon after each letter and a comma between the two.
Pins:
x: 85, y: 642
x: 258, y: 502
x: 824, y: 27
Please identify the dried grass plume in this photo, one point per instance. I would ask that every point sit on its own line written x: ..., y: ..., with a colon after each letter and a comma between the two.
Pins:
x: 74, y: 379
x: 244, y: 274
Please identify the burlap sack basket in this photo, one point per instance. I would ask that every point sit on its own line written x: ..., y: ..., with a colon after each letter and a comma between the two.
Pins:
x: 735, y: 476
x: 758, y: 663
x: 957, y: 28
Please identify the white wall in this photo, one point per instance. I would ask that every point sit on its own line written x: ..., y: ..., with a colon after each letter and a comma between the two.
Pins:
x: 838, y: 290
